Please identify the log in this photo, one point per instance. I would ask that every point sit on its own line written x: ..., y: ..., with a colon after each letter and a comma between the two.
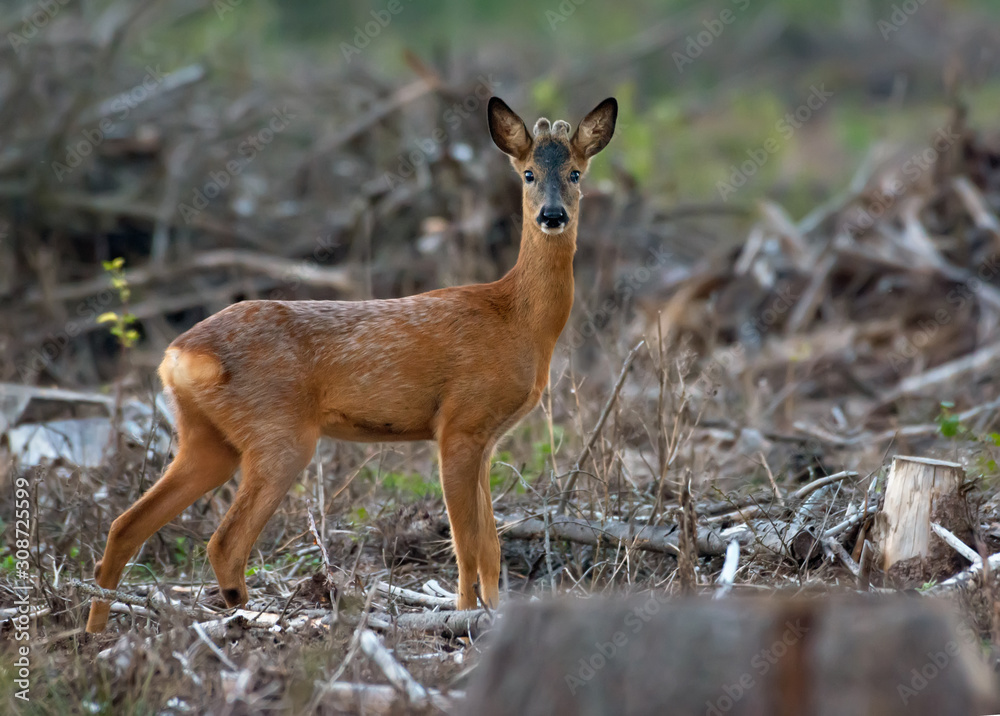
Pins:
x: 451, y: 624
x: 920, y: 492
x: 633, y: 535
x: 765, y: 537
x: 864, y: 656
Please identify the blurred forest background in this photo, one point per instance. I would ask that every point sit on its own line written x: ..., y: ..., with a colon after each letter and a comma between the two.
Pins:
x: 388, y: 141
x: 798, y: 213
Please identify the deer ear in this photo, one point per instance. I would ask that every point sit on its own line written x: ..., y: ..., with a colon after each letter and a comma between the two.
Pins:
x: 596, y: 129
x: 508, y: 130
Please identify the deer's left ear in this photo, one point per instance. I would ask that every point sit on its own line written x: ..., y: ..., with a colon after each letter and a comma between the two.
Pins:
x: 596, y: 129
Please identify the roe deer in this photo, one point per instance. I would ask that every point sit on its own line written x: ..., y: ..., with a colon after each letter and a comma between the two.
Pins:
x: 258, y: 383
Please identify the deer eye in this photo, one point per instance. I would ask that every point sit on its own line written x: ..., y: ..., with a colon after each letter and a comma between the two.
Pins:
x: 529, y: 176
x: 574, y: 176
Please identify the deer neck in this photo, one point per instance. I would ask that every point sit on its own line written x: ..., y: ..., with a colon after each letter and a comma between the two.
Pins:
x: 541, y: 281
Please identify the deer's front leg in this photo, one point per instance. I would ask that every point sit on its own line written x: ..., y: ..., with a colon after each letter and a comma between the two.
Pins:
x: 465, y: 481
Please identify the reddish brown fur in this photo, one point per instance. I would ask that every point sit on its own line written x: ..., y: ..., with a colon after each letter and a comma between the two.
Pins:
x: 258, y: 383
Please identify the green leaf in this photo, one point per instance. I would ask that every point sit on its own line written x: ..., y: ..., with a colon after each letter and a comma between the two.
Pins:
x: 949, y: 426
x: 107, y: 317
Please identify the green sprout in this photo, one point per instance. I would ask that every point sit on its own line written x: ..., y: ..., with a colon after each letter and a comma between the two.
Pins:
x: 123, y: 325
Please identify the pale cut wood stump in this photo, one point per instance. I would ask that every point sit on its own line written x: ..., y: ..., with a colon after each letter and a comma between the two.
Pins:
x: 920, y: 491
x: 772, y: 656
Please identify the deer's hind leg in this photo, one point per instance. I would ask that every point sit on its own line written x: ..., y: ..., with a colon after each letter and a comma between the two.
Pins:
x: 269, y: 468
x: 204, y: 461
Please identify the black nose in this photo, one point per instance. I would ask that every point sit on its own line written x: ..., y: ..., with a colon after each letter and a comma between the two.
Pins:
x: 552, y: 217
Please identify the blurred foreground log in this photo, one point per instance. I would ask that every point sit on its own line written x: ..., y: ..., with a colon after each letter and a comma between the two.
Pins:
x: 919, y: 493
x: 773, y: 657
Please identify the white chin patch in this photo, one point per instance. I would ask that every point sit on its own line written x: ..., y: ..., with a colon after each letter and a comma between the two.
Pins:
x: 552, y: 232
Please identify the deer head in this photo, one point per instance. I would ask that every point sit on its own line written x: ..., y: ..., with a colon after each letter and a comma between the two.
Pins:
x: 550, y: 161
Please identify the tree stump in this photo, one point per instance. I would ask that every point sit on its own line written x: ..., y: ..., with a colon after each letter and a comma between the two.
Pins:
x: 772, y: 656
x: 921, y: 491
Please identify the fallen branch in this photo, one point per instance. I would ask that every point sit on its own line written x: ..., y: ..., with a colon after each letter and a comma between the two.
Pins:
x: 12, y: 612
x: 183, y: 77
x: 833, y: 548
x: 276, y: 267
x: 418, y: 599
x: 956, y: 544
x: 401, y: 679
x: 964, y: 577
x: 744, y: 512
x: 213, y: 647
x: 978, y: 360
x: 976, y: 205
x: 907, y: 431
x: 378, y: 699
x: 821, y: 482
x: 728, y: 574
x: 470, y: 623
x: 144, y: 606
x: 850, y: 522
x: 633, y: 535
